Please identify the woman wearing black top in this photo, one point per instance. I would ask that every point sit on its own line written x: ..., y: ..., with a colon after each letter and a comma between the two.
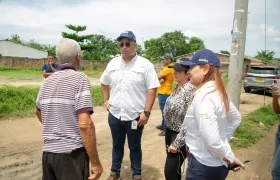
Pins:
x: 174, y: 114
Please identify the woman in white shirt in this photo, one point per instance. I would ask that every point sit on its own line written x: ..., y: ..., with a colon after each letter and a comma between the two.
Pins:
x: 210, y: 121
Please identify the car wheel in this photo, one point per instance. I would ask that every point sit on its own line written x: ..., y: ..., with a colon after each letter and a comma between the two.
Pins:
x: 247, y: 90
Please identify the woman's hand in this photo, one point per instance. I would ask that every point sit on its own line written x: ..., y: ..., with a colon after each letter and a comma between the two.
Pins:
x: 236, y: 165
x: 172, y: 149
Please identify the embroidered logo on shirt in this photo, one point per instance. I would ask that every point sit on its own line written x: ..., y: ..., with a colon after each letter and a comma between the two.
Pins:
x: 204, y: 116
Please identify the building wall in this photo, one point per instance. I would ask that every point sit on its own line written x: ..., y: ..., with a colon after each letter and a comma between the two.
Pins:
x: 225, y: 60
x: 29, y: 62
x: 8, y: 48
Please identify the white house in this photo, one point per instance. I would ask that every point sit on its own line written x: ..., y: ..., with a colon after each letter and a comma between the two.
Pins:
x: 12, y: 49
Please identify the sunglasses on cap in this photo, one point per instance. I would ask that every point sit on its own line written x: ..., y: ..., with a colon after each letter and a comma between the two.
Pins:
x: 125, y: 44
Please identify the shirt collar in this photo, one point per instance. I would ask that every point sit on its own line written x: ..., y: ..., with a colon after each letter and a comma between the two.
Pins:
x: 205, y: 86
x: 171, y: 64
x: 65, y: 66
x: 133, y: 59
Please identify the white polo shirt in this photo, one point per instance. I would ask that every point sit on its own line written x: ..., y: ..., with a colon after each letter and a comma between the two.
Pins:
x: 208, y: 127
x: 129, y: 86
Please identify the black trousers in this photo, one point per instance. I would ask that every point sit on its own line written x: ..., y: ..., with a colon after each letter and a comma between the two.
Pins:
x: 198, y: 171
x: 73, y: 166
x: 174, y: 161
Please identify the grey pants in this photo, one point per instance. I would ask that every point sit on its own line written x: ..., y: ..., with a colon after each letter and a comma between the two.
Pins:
x: 73, y: 166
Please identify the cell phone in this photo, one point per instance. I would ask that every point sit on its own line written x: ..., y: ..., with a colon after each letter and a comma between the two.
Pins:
x: 235, y: 165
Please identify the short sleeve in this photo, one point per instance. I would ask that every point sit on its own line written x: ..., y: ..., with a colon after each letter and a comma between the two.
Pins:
x: 151, y: 79
x: 44, y: 67
x: 55, y: 66
x: 83, y: 100
x: 166, y: 71
x: 105, y: 77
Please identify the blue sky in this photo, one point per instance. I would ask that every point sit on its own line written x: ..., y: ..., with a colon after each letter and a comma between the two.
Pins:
x: 212, y: 21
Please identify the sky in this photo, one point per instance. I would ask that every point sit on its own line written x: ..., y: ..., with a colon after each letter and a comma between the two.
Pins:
x: 210, y: 20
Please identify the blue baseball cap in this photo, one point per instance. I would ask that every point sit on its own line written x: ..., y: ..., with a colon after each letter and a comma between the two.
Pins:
x: 127, y: 34
x: 179, y: 67
x: 204, y: 56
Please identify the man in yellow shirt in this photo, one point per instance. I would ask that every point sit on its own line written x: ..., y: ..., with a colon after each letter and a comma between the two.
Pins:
x: 166, y: 78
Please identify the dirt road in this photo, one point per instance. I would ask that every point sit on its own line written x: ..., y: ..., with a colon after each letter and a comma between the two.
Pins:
x: 21, y: 147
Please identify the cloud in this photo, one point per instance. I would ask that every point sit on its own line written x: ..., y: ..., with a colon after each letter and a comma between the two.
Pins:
x: 210, y: 20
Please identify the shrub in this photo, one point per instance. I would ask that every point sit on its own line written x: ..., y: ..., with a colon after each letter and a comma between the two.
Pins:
x: 20, y: 101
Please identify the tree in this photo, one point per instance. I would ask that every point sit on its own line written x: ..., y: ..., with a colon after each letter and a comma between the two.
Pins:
x: 265, y: 55
x: 153, y: 49
x: 50, y: 49
x: 104, y: 48
x: 15, y: 38
x: 139, y: 50
x: 175, y: 43
x: 225, y: 52
x: 195, y: 44
x: 81, y: 39
x: 34, y: 45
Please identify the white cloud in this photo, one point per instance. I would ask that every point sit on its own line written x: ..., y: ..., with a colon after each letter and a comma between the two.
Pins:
x: 209, y: 20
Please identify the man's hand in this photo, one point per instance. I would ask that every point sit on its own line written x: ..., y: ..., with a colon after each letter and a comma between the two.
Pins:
x: 107, y: 105
x: 161, y: 80
x: 275, y: 92
x: 50, y: 63
x: 96, y: 171
x: 143, y: 119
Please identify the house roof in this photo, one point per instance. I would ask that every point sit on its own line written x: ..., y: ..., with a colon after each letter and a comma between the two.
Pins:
x: 227, y: 55
x: 21, y: 44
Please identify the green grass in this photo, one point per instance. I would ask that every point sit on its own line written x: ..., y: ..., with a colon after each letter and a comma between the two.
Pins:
x: 250, y: 129
x: 20, y: 101
x: 32, y: 73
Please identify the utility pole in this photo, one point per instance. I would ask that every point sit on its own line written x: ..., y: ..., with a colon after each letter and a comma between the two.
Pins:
x: 236, y: 65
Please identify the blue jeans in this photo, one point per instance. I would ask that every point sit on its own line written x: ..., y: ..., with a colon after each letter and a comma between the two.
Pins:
x: 198, y: 171
x: 162, y: 99
x: 119, y: 130
x: 276, y: 162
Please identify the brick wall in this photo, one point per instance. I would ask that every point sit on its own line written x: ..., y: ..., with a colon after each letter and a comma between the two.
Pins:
x: 27, y: 62
x: 21, y: 62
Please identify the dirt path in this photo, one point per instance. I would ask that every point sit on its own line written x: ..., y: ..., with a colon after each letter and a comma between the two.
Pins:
x: 21, y: 147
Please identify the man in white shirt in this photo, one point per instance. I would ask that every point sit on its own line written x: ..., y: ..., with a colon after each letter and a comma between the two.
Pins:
x: 134, y: 84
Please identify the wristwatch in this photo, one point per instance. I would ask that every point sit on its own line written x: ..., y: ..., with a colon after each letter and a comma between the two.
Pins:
x: 147, y: 114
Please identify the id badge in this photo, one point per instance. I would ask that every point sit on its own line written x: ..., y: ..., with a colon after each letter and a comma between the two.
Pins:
x: 134, y: 124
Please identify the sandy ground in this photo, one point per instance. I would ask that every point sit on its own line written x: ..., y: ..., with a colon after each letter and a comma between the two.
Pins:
x: 21, y: 147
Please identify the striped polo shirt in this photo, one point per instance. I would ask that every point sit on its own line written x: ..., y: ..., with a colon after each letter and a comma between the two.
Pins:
x: 62, y: 96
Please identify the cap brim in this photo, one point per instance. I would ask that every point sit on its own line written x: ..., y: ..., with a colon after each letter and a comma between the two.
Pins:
x: 187, y: 63
x: 179, y: 67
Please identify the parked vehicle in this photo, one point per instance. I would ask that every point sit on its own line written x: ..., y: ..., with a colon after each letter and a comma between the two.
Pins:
x: 261, y: 77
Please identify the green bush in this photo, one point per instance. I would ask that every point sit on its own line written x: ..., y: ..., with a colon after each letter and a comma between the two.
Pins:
x: 20, y: 101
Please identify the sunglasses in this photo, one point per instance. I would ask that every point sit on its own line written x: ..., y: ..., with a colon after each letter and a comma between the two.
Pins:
x: 125, y: 44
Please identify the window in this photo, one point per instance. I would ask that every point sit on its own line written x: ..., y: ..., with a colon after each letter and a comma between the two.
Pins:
x: 264, y: 70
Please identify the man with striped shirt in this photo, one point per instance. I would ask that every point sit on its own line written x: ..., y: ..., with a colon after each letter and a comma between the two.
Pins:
x: 64, y: 106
